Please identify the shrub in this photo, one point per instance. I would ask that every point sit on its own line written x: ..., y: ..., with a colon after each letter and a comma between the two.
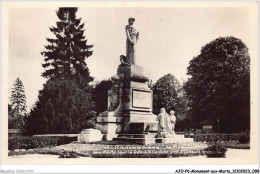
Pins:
x: 244, y: 137
x: 216, y: 137
x: 68, y: 154
x: 27, y: 142
x: 216, y: 150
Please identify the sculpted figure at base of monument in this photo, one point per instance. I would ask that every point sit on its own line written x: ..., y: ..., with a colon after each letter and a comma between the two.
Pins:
x: 124, y: 60
x: 173, y: 120
x: 164, y: 124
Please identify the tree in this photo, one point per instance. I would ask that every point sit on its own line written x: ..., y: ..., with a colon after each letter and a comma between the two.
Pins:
x: 181, y: 125
x: 219, y: 84
x: 65, y: 55
x: 17, y: 106
x: 63, y: 107
x: 65, y: 104
x: 14, y: 121
x: 168, y: 94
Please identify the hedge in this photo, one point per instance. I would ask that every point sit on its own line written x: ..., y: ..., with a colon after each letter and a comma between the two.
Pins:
x: 216, y: 137
x: 28, y: 142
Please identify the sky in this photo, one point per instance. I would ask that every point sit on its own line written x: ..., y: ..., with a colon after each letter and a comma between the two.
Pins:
x: 169, y: 39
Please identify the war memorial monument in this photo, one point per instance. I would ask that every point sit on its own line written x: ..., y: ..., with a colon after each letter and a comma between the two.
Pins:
x: 129, y: 115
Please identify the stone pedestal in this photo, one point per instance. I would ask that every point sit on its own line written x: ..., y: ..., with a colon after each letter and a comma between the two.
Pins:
x: 89, y: 135
x: 130, y: 103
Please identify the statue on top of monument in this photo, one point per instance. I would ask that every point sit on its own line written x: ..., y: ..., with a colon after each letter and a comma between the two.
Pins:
x: 131, y: 39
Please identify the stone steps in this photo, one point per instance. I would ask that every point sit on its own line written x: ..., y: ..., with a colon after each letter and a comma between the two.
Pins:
x: 138, y: 135
x: 142, y: 141
x: 151, y: 139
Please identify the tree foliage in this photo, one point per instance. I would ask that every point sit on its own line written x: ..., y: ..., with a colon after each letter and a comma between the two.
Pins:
x: 17, y: 106
x: 63, y: 107
x: 65, y: 104
x: 18, y: 98
x: 65, y: 55
x: 219, y: 84
x: 168, y: 94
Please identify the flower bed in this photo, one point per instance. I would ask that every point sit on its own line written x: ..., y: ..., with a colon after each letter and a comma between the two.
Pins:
x: 150, y: 151
x: 27, y: 142
x: 147, y: 154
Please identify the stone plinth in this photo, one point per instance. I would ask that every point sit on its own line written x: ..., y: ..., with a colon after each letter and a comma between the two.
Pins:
x: 89, y: 135
x: 130, y: 102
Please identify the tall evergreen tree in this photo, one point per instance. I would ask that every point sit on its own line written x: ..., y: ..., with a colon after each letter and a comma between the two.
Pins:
x: 65, y: 104
x: 17, y: 106
x: 65, y: 55
x: 18, y: 99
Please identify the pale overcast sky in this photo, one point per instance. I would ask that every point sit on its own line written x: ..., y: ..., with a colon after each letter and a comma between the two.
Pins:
x: 169, y: 39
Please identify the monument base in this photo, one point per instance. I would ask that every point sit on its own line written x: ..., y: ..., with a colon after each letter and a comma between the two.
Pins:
x: 109, y: 125
x: 129, y: 105
x: 131, y: 123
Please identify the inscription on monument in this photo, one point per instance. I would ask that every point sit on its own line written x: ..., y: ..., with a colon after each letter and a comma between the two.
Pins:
x: 142, y: 99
